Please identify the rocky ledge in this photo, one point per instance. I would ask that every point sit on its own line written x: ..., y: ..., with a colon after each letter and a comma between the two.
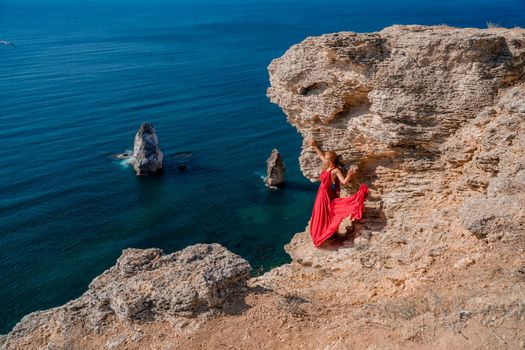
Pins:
x: 435, y: 119
x: 145, y: 285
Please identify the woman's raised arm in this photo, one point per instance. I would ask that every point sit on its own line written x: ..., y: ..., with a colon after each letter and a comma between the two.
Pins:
x: 313, y: 143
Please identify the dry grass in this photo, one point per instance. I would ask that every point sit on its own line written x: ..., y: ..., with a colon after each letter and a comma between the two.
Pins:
x: 443, y: 26
x: 433, y: 302
x: 496, y: 315
x: 405, y: 308
x: 492, y: 25
x: 291, y: 303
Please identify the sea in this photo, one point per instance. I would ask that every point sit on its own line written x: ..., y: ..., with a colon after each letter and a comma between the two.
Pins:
x: 83, y: 76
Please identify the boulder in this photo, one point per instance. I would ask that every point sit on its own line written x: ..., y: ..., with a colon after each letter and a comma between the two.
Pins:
x: 145, y: 285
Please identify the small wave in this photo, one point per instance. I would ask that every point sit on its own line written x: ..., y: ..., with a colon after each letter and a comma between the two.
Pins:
x: 124, y: 163
x: 124, y: 158
x: 263, y: 178
x: 124, y: 155
x: 182, y: 155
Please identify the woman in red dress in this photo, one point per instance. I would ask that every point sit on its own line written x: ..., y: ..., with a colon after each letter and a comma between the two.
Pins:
x: 329, y: 209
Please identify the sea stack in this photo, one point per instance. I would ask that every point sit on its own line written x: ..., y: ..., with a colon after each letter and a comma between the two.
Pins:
x: 275, y: 170
x: 147, y: 156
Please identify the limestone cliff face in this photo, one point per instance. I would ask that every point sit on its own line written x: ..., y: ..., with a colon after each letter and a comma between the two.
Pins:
x: 435, y: 119
x: 433, y: 115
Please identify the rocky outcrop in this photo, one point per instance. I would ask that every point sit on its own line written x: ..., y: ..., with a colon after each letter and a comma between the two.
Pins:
x: 435, y: 119
x: 144, y: 286
x: 147, y: 156
x: 431, y: 114
x: 275, y: 169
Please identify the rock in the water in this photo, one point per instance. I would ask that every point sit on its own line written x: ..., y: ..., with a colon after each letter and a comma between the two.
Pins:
x: 147, y: 156
x: 275, y: 170
x: 145, y: 285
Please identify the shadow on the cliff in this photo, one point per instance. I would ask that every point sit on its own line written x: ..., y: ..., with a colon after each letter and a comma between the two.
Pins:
x: 236, y: 305
x: 259, y: 290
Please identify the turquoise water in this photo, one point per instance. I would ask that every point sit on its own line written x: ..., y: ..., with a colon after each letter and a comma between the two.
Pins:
x: 82, y: 78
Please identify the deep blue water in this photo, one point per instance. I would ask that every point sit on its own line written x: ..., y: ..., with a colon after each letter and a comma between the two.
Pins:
x: 85, y: 74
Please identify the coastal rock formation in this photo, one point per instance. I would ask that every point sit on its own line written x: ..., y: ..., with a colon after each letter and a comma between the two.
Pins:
x: 429, y: 113
x: 275, y: 169
x: 147, y: 156
x: 435, y: 119
x: 144, y: 286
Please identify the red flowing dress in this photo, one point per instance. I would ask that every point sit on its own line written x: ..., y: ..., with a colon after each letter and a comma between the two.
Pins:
x: 329, y: 209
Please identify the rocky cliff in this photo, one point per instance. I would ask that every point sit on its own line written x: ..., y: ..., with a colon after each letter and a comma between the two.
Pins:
x: 433, y: 115
x: 435, y: 119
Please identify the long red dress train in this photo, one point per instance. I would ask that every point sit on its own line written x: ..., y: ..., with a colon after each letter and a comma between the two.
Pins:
x: 329, y: 210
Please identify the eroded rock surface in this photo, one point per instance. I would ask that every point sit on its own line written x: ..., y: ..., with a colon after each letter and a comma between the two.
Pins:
x: 144, y: 286
x: 147, y: 156
x: 435, y: 119
x: 275, y: 169
x: 433, y: 115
